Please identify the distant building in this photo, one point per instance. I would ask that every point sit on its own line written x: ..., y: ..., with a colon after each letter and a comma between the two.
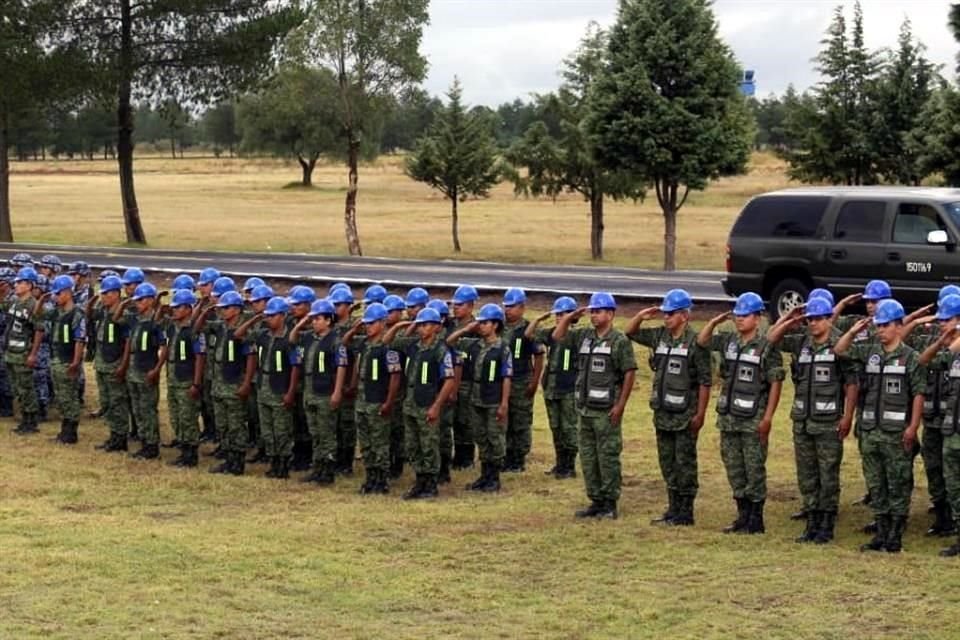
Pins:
x: 748, y: 85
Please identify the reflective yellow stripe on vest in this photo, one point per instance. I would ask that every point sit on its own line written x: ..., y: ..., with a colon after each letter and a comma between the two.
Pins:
x: 566, y: 359
x: 279, y: 359
x: 66, y: 334
x: 321, y: 362
x: 183, y: 351
x: 493, y: 371
x: 143, y: 341
x: 110, y: 332
x: 517, y: 347
x: 375, y: 374
x: 230, y: 354
x: 424, y: 372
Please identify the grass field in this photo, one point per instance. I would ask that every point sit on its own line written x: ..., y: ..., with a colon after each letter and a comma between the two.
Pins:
x: 243, y: 204
x: 99, y: 546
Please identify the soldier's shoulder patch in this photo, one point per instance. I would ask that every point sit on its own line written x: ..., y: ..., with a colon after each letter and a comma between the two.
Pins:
x: 874, y: 359
x: 393, y: 357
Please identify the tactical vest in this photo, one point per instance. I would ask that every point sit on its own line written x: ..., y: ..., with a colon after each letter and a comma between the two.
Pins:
x: 320, y: 365
x: 423, y: 374
x: 886, y: 402
x: 598, y: 380
x: 932, y: 404
x: 109, y: 344
x: 818, y: 385
x: 143, y: 345
x: 228, y: 357
x: 64, y: 337
x: 488, y: 375
x: 743, y: 383
x: 951, y: 399
x: 673, y: 386
x: 522, y: 349
x: 376, y: 378
x: 275, y: 368
x: 20, y: 329
x: 180, y: 357
x: 561, y: 367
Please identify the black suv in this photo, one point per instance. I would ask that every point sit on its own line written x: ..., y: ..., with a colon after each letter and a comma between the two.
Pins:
x: 787, y: 242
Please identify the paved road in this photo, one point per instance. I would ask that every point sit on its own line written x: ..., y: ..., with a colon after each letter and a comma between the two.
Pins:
x: 558, y: 279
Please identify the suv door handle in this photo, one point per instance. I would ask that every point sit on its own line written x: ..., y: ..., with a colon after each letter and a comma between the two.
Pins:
x: 838, y: 253
x: 893, y: 255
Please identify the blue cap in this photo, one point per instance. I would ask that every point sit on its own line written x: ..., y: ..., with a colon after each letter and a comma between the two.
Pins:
x: 949, y: 307
x: 818, y: 308
x: 275, y: 306
x: 42, y: 282
x: 877, y: 290
x: 230, y: 299
x: 490, y: 312
x: 394, y: 303
x: 417, y: 296
x: 61, y: 283
x: 222, y: 285
x: 341, y: 296
x: 263, y: 292
x: 144, y: 290
x: 79, y: 268
x: 948, y: 290
x: 183, y: 298
x: 107, y: 272
x: 464, y: 294
x: 676, y: 300
x: 514, y: 297
x: 7, y: 275
x: 374, y: 293
x: 22, y: 260
x: 27, y: 274
x: 564, y: 304
x: 111, y: 283
x: 428, y: 315
x: 747, y: 304
x: 208, y: 276
x: 888, y: 310
x: 133, y: 275
x: 374, y: 312
x: 302, y: 294
x: 51, y: 261
x: 183, y: 281
x: 439, y: 306
x: 322, y: 307
x: 252, y: 283
x: 602, y: 300
x: 338, y: 285
x: 821, y: 293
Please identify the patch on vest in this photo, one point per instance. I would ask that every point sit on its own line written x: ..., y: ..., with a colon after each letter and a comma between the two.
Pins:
x: 892, y: 386
x: 745, y: 374
x: 598, y: 365
x: 674, y: 367
x: 821, y: 374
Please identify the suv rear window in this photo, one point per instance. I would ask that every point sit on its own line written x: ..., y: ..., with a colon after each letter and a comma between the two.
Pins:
x: 781, y: 217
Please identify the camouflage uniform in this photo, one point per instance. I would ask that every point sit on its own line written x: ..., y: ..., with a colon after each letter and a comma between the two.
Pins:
x: 950, y: 430
x: 559, y: 397
x: 346, y: 414
x: 130, y: 318
x: 229, y: 358
x: 146, y: 339
x: 322, y: 357
x: 21, y: 325
x: 931, y: 444
x: 185, y: 346
x: 42, y: 377
x: 68, y: 328
x: 463, y: 416
x: 520, y: 420
x: 278, y: 358
x: 377, y: 364
x: 114, y: 395
x: 6, y: 389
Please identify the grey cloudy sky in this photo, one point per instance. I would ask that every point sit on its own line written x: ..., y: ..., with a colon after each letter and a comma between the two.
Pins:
x: 503, y: 49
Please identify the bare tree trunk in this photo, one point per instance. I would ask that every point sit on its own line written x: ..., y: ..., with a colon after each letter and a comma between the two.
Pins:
x: 596, y: 225
x: 307, y: 166
x: 456, y: 223
x: 128, y: 195
x: 6, y: 230
x: 350, y: 209
x: 667, y: 197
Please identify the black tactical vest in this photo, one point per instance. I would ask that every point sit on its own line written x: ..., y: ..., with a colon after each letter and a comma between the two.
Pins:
x: 818, y: 385
x: 376, y: 378
x: 180, y: 357
x: 319, y: 367
x: 886, y: 402
x: 144, y: 345
x: 64, y: 337
x: 743, y: 381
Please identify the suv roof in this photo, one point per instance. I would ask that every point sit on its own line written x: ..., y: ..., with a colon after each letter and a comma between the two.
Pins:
x: 932, y: 193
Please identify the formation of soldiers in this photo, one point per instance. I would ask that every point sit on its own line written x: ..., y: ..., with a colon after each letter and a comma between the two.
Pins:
x: 437, y: 385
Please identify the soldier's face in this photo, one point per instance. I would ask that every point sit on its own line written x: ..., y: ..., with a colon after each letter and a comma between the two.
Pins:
x: 228, y: 313
x: 144, y: 304
x: 601, y: 318
x: 110, y: 298
x: 888, y: 333
x: 946, y: 325
x: 674, y: 320
x: 871, y: 307
x: 746, y: 324
x: 64, y: 297
x: 818, y: 326
x: 394, y: 317
x: 463, y: 310
x: 321, y: 323
x: 129, y: 288
x: 426, y: 330
x: 258, y: 305
x: 343, y: 310
x: 514, y: 313
x: 373, y: 329
x: 205, y: 289
x: 301, y: 309
x: 273, y: 322
x: 22, y: 287
x: 413, y: 311
x: 487, y: 328
x: 182, y: 312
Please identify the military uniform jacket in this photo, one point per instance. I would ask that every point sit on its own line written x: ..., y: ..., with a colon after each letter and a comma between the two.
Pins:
x: 146, y: 338
x: 185, y: 346
x: 110, y: 338
x: 21, y: 324
x: 603, y: 361
x: 427, y: 368
x: 747, y: 370
x: 66, y: 328
x: 892, y: 379
x: 819, y: 377
x: 560, y: 374
x: 522, y: 349
x: 322, y: 357
x: 377, y: 363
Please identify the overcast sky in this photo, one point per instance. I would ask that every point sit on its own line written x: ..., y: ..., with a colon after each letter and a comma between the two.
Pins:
x: 504, y: 49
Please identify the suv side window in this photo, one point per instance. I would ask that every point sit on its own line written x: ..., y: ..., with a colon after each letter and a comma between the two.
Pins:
x: 860, y: 222
x: 914, y: 222
x: 781, y: 217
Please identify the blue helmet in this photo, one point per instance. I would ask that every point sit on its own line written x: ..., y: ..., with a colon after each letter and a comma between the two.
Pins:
x: 27, y: 274
x: 341, y: 296
x: 111, y: 283
x: 252, y: 283
x: 51, y: 262
x: 888, y: 311
x: 275, y: 306
x: 949, y: 307
x: 222, y: 285
x: 183, y: 281
x: 230, y: 299
x: 490, y: 312
x: 144, y: 290
x: 564, y: 304
x: 877, y: 290
x: 821, y: 293
x: 338, y: 285
x: 302, y: 294
x: 417, y: 296
x: 514, y: 296
x: 394, y: 303
x: 61, y: 283
x: 322, y: 307
x: 263, y: 292
x: 79, y: 268
x: 747, y: 304
x: 602, y: 300
x: 375, y: 312
x: 106, y: 273
x: 818, y: 308
x: 947, y: 290
x: 374, y: 293
x: 133, y: 275
x: 439, y: 306
x: 183, y: 298
x: 676, y: 300
x: 208, y: 276
x: 21, y: 260
x: 464, y: 294
x: 426, y: 315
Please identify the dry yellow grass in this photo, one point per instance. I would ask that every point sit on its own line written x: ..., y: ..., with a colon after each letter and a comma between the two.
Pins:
x: 243, y: 204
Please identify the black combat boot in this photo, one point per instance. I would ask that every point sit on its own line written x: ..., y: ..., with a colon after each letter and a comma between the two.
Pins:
x: 302, y: 457
x: 492, y: 473
x: 812, y: 528
x: 413, y: 493
x: 313, y: 476
x: 147, y: 452
x: 942, y: 522
x: 259, y: 457
x: 552, y: 471
x: 670, y: 512
x: 684, y: 513
x: 608, y: 510
x: 178, y: 461
x: 223, y: 467
x: 61, y: 437
x: 346, y: 462
x: 369, y: 481
x: 596, y: 507
x: 444, y: 476
x: 828, y: 521
x: 568, y: 468
x: 274, y: 467
x: 382, y: 486
x: 28, y: 425
x: 483, y: 479
x: 894, y: 542
x: 73, y: 434
x: 283, y: 467
x: 755, y: 521
x: 879, y: 540
x: 429, y: 487
x: 953, y: 550
x: 469, y: 455
x: 327, y: 473
x: 456, y: 463
x: 510, y: 462
x: 237, y: 460
x: 396, y: 465
x: 802, y: 514
x: 191, y: 457
x: 870, y: 528
x: 743, y: 514
x: 117, y: 442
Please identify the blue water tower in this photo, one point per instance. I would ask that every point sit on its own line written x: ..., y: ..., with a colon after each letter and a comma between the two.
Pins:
x: 748, y: 85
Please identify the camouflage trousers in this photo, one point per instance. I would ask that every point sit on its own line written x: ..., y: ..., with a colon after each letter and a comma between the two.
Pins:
x: 445, y: 427
x: 184, y: 412
x: 931, y: 448
x: 600, y: 445
x: 276, y: 427
x: 301, y: 430
x: 677, y: 453
x: 818, y: 457
x: 396, y: 433
x: 24, y: 388
x: 422, y: 443
x: 230, y: 415
x: 42, y: 378
x: 888, y: 470
x: 519, y: 420
x: 463, y: 420
x: 490, y: 435
x: 322, y: 423
x: 373, y: 433
x: 951, y: 472
x: 562, y: 416
x: 745, y: 460
x: 66, y: 392
x: 115, y: 401
x: 253, y: 418
x: 144, y: 399
x: 6, y: 390
x: 347, y: 425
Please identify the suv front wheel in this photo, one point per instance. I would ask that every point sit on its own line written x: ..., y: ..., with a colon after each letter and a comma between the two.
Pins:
x: 786, y: 296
